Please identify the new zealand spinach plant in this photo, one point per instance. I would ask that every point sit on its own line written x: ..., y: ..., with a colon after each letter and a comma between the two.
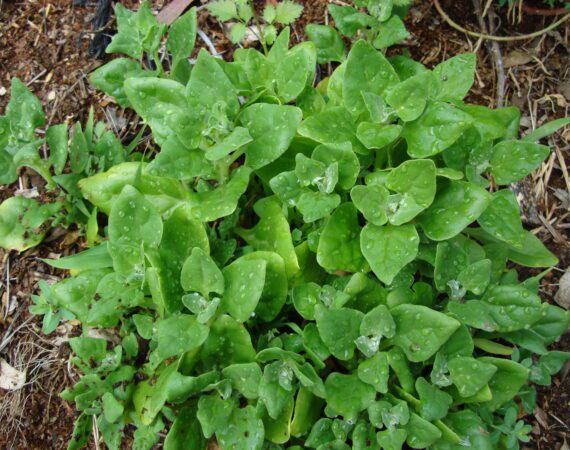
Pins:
x: 306, y: 264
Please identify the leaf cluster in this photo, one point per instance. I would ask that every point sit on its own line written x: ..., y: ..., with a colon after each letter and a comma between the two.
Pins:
x: 305, y: 265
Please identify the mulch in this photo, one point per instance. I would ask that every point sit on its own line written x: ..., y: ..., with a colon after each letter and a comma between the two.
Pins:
x: 46, y: 43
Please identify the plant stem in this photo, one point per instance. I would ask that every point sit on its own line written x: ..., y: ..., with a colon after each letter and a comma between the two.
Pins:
x: 258, y: 25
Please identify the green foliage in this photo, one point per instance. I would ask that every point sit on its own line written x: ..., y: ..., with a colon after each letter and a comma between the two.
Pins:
x: 297, y: 266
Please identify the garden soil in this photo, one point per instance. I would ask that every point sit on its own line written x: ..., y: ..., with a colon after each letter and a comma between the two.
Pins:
x: 47, y: 44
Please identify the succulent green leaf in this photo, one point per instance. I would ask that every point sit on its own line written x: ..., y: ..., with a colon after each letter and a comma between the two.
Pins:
x: 201, y: 274
x: 434, y: 403
x: 374, y: 135
x: 436, y: 129
x: 514, y: 160
x: 372, y: 202
x: 421, y: 331
x: 328, y: 43
x: 415, y: 180
x: 347, y: 396
x: 339, y: 328
x: 375, y: 372
x: 388, y: 249
x: 367, y: 70
x: 470, y: 375
x: 502, y: 220
x: 339, y: 246
x: 244, y: 281
x: 455, y: 77
x: 332, y: 126
x: 456, y: 205
x: 272, y: 128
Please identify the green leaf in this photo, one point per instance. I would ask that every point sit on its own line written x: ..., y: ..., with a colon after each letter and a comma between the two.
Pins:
x: 200, y: 273
x: 391, y: 32
x: 367, y: 70
x: 185, y: 432
x: 332, y: 126
x: 182, y: 35
x: 137, y: 32
x: 222, y: 201
x: 476, y: 276
x: 286, y: 12
x: 305, y: 297
x: 224, y: 10
x: 234, y: 141
x: 134, y: 225
x: 56, y: 137
x: 504, y: 308
x: 237, y: 32
x: 244, y: 281
x: 502, y: 220
x: 81, y: 434
x: 316, y: 205
x: 228, y: 343
x: 378, y: 322
x: 374, y: 135
x: 176, y: 161
x: 339, y: 245
x: 421, y: 331
x: 110, y: 78
x: 328, y: 43
x: 178, y: 334
x: 295, y: 71
x: 272, y: 128
x: 163, y: 105
x: 372, y: 202
x: 415, y: 180
x: 547, y: 129
x: 434, y: 402
x: 78, y: 150
x: 244, y: 430
x: 388, y: 249
x: 506, y: 382
x: 456, y: 205
x: 455, y: 76
x: 347, y: 396
x: 22, y: 222
x: 381, y: 9
x: 349, y: 20
x: 275, y: 289
x: 344, y: 156
x: 409, y: 97
x: 272, y: 233
x: 514, y: 160
x: 421, y: 433
x: 209, y: 87
x: 245, y: 378
x: 338, y: 329
x: 392, y: 438
x: 112, y: 408
x: 375, y: 371
x: 272, y: 393
x: 435, y: 130
x: 470, y: 375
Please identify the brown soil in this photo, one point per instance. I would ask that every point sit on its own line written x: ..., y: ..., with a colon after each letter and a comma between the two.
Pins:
x: 45, y: 43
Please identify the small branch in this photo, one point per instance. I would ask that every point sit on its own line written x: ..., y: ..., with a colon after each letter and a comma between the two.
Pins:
x: 522, y: 37
x: 208, y: 43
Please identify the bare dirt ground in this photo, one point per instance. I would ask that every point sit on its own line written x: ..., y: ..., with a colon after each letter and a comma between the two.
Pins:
x: 46, y: 44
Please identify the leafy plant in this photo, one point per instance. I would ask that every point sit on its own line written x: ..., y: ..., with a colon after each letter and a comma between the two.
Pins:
x: 306, y: 266
x: 24, y: 221
x: 242, y: 12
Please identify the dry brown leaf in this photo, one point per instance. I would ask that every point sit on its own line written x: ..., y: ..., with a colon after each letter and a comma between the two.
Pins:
x: 11, y: 379
x: 516, y: 58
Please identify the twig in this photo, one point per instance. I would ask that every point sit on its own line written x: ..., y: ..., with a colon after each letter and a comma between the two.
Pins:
x: 498, y: 59
x: 458, y: 27
x: 208, y: 43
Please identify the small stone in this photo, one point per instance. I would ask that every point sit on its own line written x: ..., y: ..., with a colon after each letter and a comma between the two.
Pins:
x: 562, y: 297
